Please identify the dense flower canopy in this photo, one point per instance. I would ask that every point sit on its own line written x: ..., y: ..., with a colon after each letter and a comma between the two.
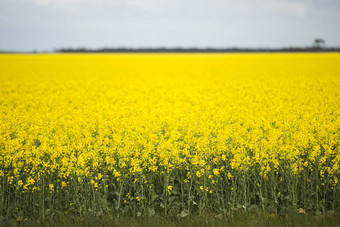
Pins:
x: 210, y: 126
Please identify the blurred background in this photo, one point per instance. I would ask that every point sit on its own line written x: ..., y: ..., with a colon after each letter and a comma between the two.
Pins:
x: 48, y: 25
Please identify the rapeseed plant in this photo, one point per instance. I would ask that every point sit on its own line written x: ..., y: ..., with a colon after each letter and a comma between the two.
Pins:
x: 172, y: 133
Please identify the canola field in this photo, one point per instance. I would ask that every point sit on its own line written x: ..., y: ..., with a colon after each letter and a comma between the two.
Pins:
x: 170, y: 134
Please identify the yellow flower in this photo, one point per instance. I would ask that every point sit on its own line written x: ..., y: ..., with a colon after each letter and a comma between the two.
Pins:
x: 198, y: 174
x: 20, y: 183
x: 63, y: 184
x: 51, y: 187
x: 120, y: 120
x: 216, y: 172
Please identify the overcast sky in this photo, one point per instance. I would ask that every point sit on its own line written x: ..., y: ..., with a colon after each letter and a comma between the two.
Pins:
x: 48, y: 24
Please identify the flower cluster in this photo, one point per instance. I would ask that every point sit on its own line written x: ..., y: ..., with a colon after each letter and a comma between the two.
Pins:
x: 218, y: 129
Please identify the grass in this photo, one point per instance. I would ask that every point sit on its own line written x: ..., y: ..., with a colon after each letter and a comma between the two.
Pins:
x: 254, y: 218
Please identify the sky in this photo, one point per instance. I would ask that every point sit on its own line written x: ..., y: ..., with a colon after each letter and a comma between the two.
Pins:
x: 46, y: 25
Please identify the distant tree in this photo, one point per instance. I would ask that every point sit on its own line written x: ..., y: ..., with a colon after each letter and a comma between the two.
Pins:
x: 319, y: 43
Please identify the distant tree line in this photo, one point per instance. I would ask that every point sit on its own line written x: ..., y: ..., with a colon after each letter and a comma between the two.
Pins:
x: 197, y: 50
x: 319, y: 45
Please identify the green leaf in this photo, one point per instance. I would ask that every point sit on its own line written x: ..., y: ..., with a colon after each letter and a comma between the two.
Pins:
x: 184, y: 214
x: 154, y: 197
x: 151, y: 212
x: 171, y: 199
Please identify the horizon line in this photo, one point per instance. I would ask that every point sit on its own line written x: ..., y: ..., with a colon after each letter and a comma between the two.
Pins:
x: 180, y: 50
